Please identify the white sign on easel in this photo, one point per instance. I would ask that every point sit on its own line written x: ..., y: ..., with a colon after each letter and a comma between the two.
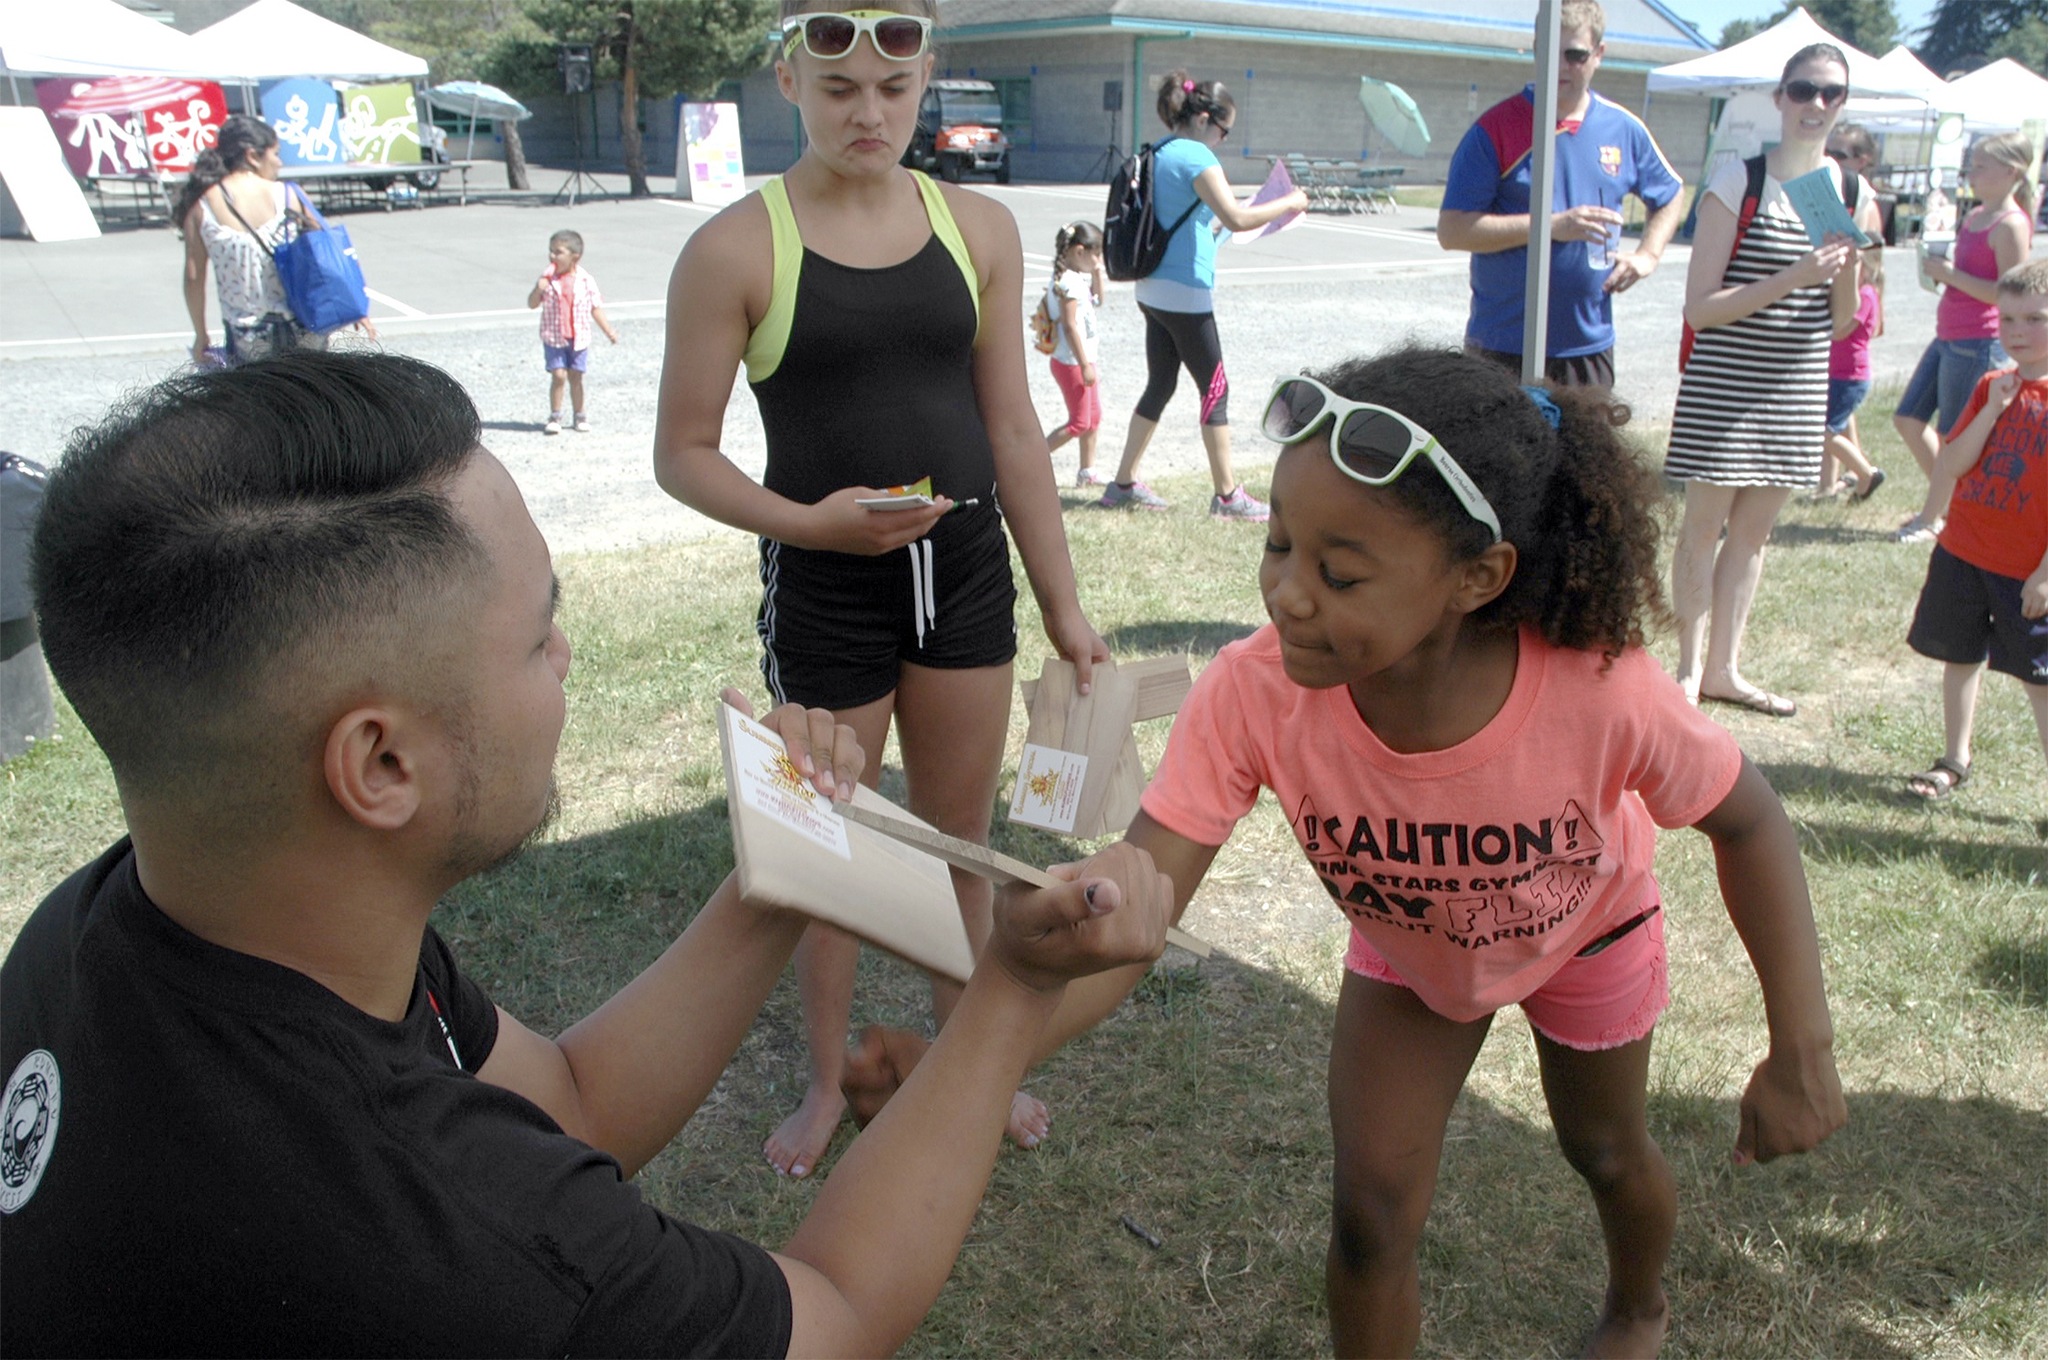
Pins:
x: 708, y: 166
x: 39, y: 186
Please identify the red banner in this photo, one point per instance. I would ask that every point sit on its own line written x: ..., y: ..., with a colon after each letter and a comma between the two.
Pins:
x: 132, y: 125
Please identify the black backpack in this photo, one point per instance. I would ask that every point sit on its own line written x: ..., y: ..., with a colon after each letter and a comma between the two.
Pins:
x: 1133, y: 241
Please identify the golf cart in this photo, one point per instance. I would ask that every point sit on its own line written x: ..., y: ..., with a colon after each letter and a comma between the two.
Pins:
x: 960, y: 132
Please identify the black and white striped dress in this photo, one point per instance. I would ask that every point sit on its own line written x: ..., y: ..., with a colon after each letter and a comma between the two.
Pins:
x: 1752, y: 403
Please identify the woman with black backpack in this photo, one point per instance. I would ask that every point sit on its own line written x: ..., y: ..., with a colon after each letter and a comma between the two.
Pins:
x: 1177, y: 299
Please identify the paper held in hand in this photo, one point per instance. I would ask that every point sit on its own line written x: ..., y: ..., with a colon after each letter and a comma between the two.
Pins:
x: 794, y: 851
x: 1278, y: 184
x: 1819, y: 204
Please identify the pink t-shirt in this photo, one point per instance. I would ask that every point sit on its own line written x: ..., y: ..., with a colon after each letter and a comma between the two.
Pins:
x: 1849, y: 357
x: 1476, y: 871
x: 1958, y: 316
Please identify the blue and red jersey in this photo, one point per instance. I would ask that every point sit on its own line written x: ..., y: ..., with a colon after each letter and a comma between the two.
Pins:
x: 1601, y: 159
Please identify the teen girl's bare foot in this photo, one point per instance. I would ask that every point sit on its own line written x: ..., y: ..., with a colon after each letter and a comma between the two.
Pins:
x: 1030, y: 1121
x: 882, y: 1059
x: 798, y: 1143
x: 1628, y: 1336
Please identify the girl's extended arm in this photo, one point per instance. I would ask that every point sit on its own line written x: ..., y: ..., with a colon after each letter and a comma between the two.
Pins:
x: 1794, y: 1098
x: 1024, y: 482
x: 2010, y: 242
x: 1090, y: 999
x: 1963, y: 448
x: 1708, y: 303
x: 719, y: 289
x: 1213, y: 187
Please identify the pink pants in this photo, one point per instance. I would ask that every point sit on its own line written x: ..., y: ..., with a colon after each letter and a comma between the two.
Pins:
x: 1084, y: 403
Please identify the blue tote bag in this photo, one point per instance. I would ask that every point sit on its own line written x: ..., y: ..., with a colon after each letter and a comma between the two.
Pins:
x: 322, y: 281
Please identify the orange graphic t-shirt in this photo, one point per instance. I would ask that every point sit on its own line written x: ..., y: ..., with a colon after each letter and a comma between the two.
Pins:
x: 1479, y: 870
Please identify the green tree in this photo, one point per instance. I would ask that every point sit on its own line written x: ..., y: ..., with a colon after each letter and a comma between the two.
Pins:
x: 1964, y: 34
x: 652, y: 48
x: 1872, y: 25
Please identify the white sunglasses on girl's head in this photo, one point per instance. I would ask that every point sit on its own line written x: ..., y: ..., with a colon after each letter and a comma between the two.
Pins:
x: 1368, y: 443
x: 832, y: 34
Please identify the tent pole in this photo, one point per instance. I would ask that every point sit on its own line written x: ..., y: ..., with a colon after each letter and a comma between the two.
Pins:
x: 1542, y: 184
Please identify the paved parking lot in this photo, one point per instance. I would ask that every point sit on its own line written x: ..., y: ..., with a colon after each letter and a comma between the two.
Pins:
x: 84, y: 321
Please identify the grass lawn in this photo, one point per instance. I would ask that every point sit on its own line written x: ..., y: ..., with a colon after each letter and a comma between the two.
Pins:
x: 1198, y: 1110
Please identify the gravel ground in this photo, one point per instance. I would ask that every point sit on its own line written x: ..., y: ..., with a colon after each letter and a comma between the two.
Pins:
x: 595, y: 491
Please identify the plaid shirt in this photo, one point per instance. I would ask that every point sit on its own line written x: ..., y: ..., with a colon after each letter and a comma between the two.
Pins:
x: 565, y: 309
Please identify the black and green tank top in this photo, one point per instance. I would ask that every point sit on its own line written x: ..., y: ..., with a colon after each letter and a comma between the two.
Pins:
x: 865, y: 377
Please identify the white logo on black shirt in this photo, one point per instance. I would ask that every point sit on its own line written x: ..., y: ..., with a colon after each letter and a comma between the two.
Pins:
x: 28, y: 1128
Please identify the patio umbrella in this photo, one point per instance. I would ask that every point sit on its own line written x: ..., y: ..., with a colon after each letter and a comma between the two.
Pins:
x: 478, y: 100
x: 1393, y: 112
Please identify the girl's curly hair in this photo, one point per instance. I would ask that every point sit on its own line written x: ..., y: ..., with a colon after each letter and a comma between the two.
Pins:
x: 1583, y: 512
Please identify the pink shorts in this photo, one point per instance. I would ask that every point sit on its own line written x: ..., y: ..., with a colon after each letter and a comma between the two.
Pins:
x: 1084, y: 403
x: 1603, y: 1001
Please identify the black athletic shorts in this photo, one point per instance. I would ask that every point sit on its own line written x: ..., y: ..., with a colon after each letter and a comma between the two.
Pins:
x: 836, y: 628
x: 1581, y: 370
x: 1967, y: 614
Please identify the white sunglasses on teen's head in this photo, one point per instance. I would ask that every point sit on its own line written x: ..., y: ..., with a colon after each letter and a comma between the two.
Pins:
x: 1368, y: 443
x: 831, y: 34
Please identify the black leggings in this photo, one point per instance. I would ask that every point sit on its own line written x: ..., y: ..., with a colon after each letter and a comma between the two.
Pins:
x: 1176, y: 338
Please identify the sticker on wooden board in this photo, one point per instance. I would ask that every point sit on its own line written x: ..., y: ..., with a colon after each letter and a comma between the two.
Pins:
x: 769, y: 783
x: 1049, y: 786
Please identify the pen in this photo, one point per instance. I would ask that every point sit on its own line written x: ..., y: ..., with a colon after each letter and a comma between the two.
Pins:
x: 961, y: 505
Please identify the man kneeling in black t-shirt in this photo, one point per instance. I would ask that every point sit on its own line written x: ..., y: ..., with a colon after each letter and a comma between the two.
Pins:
x: 252, y: 1104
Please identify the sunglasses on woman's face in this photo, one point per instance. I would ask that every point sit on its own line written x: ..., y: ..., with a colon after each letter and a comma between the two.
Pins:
x: 1369, y: 444
x: 828, y: 34
x: 1805, y: 92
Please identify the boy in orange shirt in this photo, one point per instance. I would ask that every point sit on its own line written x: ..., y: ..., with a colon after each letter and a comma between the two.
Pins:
x: 1986, y: 597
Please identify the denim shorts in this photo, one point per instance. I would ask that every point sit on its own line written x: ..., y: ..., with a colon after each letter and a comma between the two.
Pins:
x: 1844, y: 396
x: 1947, y: 374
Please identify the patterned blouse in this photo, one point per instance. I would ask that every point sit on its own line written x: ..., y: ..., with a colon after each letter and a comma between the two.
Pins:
x: 565, y: 304
x: 242, y: 267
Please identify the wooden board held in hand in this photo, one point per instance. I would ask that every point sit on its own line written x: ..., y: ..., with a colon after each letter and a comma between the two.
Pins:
x: 796, y: 852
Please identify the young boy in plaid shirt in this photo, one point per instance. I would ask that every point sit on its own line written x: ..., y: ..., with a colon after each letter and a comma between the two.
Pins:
x: 570, y: 304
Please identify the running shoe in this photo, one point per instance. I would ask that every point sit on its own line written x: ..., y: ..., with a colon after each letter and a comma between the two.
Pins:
x: 554, y: 425
x: 1239, y: 504
x: 582, y: 423
x: 1089, y: 476
x: 1136, y: 496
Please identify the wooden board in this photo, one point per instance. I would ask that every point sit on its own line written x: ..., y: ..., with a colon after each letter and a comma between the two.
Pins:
x: 794, y: 851
x: 1057, y: 791
x: 1163, y: 681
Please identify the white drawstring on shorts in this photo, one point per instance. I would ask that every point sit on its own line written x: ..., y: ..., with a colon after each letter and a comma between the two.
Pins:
x: 924, y: 589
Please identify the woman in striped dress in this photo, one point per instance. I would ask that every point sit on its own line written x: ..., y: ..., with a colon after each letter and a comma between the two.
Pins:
x: 1752, y: 401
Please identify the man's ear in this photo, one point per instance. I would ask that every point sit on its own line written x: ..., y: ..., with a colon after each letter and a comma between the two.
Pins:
x: 372, y: 768
x: 1485, y: 577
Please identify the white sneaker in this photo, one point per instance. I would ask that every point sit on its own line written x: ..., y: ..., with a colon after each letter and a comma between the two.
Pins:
x: 1239, y: 504
x: 1089, y: 476
x: 554, y: 425
x: 582, y: 423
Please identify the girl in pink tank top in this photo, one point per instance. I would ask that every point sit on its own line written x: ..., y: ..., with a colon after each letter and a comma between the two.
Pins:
x: 1993, y: 237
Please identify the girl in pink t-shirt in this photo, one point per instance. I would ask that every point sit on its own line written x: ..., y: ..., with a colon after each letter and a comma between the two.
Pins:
x: 1991, y: 238
x: 1849, y: 384
x: 1453, y: 705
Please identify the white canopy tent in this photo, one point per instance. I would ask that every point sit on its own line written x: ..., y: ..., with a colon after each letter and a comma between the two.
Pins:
x: 1760, y: 60
x: 1999, y: 97
x: 90, y: 38
x: 275, y: 39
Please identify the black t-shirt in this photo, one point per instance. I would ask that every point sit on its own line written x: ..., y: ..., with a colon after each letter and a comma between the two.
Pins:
x: 204, y: 1152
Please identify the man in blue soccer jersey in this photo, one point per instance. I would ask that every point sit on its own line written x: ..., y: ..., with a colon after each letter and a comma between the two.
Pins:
x: 1604, y: 153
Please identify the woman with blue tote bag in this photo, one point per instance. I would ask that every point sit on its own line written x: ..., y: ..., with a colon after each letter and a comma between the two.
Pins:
x: 240, y: 218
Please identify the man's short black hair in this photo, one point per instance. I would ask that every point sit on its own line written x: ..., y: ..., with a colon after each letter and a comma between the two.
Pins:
x: 220, y: 528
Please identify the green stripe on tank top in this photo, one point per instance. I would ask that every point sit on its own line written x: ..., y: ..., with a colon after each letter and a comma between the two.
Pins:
x: 766, y: 345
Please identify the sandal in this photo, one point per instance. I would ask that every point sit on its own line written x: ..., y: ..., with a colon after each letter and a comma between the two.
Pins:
x: 1938, y: 781
x: 1757, y: 701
